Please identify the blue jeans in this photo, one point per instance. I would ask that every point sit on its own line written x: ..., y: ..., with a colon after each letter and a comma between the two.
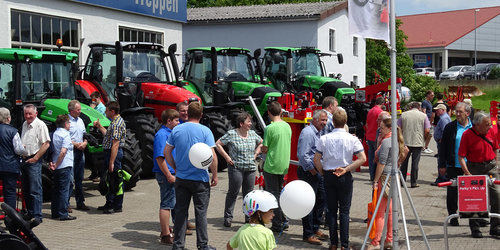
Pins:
x: 32, y: 187
x: 372, y: 147
x: 9, y: 187
x: 311, y: 222
x: 167, y: 193
x: 60, y: 192
x: 237, y: 179
x: 112, y: 199
x: 338, y: 197
x: 184, y: 191
x: 78, y: 169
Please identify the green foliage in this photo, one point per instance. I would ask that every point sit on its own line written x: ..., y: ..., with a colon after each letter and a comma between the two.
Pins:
x: 483, y: 102
x: 494, y: 73
x: 378, y: 59
x: 420, y: 85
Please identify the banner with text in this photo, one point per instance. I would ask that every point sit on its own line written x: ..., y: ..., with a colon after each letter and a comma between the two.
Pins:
x: 175, y: 10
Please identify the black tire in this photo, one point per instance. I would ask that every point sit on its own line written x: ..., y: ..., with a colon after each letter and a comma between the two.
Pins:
x: 132, y: 160
x: 219, y: 125
x: 144, y: 126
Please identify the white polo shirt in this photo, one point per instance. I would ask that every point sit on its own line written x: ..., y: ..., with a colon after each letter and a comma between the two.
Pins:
x: 34, y: 135
x: 338, y: 148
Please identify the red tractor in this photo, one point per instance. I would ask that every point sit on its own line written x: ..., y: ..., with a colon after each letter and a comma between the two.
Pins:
x: 143, y: 78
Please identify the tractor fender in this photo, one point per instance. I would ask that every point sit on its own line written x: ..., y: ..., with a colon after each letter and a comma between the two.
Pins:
x: 136, y: 110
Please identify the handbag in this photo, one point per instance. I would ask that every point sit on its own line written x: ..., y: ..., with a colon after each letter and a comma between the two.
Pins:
x: 371, y: 210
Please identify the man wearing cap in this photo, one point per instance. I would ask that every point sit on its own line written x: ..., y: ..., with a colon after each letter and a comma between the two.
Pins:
x: 444, y: 119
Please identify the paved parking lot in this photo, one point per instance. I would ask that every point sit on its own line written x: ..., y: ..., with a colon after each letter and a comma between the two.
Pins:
x: 138, y: 227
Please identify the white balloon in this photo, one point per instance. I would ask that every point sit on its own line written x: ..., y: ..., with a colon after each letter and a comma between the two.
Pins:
x: 200, y: 155
x: 297, y: 199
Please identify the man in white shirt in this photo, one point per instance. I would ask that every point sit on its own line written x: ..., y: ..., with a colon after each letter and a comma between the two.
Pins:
x: 35, y: 137
x: 333, y: 160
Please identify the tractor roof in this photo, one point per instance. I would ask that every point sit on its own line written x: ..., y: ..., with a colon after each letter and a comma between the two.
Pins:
x: 127, y: 44
x: 35, y: 55
x: 217, y: 49
x: 294, y: 49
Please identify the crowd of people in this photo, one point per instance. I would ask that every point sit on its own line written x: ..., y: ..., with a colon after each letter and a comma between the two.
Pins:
x: 325, y: 151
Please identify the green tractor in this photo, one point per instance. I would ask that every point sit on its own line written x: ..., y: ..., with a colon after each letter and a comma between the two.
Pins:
x: 46, y: 79
x: 224, y: 79
x: 301, y: 69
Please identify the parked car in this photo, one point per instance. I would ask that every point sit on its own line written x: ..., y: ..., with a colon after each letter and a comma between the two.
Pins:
x: 482, y: 70
x: 425, y: 72
x: 454, y: 72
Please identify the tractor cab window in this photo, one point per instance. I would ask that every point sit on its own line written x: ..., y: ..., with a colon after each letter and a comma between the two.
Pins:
x: 144, y: 66
x: 104, y: 71
x: 234, y: 67
x: 307, y: 64
x: 201, y: 75
x: 40, y: 80
x: 7, y: 91
x: 275, y: 68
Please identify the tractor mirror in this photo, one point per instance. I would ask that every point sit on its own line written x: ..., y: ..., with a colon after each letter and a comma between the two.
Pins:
x: 340, y: 57
x: 277, y: 58
x: 97, y: 54
x: 172, y: 48
x: 198, y: 57
x: 256, y: 53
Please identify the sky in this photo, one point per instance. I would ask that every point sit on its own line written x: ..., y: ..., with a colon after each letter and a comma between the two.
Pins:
x: 411, y: 7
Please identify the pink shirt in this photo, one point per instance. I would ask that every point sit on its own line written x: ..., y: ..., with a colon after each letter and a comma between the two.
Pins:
x: 371, y: 123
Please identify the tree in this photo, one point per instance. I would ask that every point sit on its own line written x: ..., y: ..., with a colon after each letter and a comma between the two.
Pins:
x: 378, y: 61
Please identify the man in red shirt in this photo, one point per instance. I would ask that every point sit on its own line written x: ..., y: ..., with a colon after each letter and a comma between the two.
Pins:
x: 480, y: 145
x: 371, y: 133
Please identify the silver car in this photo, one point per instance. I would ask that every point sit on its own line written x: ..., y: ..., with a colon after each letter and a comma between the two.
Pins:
x: 454, y: 72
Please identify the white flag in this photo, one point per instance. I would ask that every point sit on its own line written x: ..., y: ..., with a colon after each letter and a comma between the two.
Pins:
x: 369, y: 19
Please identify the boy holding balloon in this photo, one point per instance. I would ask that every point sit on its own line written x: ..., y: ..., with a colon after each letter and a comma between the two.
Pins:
x: 192, y: 181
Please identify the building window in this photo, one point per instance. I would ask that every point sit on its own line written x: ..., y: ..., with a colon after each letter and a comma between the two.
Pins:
x: 354, y: 81
x: 136, y: 35
x: 332, y: 40
x: 355, y: 46
x: 40, y: 31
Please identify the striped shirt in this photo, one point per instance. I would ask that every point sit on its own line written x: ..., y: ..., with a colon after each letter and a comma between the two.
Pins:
x: 115, y: 131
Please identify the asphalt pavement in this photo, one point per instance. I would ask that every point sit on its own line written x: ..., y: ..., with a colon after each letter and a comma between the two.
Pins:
x: 137, y: 227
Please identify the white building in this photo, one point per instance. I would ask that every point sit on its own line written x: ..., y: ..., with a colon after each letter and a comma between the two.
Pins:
x: 39, y: 23
x: 323, y: 25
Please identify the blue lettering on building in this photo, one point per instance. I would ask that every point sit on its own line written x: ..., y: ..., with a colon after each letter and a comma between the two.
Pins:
x: 175, y: 10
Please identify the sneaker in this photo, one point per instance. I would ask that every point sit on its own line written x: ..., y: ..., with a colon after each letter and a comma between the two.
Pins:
x: 477, y: 234
x: 427, y: 151
x: 82, y: 207
x: 69, y: 217
x: 372, y: 247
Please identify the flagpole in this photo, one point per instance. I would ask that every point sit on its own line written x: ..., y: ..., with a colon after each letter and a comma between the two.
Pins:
x: 394, y: 148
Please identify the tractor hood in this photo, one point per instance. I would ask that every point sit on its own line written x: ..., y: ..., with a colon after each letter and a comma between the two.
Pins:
x: 315, y: 82
x: 246, y: 88
x: 168, y: 95
x: 55, y: 107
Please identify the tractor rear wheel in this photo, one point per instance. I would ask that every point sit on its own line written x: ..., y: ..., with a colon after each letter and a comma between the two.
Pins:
x: 132, y: 160
x: 144, y: 126
x: 219, y: 125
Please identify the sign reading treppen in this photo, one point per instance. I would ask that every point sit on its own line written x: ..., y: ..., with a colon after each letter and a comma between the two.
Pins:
x: 175, y: 10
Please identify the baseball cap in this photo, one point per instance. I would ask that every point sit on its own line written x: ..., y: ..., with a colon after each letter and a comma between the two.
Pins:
x: 440, y: 106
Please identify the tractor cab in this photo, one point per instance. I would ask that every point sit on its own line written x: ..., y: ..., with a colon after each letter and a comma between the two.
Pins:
x: 301, y: 69
x: 220, y: 75
x: 35, y: 77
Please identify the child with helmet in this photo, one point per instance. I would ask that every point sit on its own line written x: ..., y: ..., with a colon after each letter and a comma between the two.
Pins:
x: 258, y: 205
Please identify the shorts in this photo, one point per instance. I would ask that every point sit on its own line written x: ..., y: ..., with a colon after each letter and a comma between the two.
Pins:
x: 167, y: 192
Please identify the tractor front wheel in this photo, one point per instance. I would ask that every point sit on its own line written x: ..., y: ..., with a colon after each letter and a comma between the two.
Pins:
x: 144, y: 126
